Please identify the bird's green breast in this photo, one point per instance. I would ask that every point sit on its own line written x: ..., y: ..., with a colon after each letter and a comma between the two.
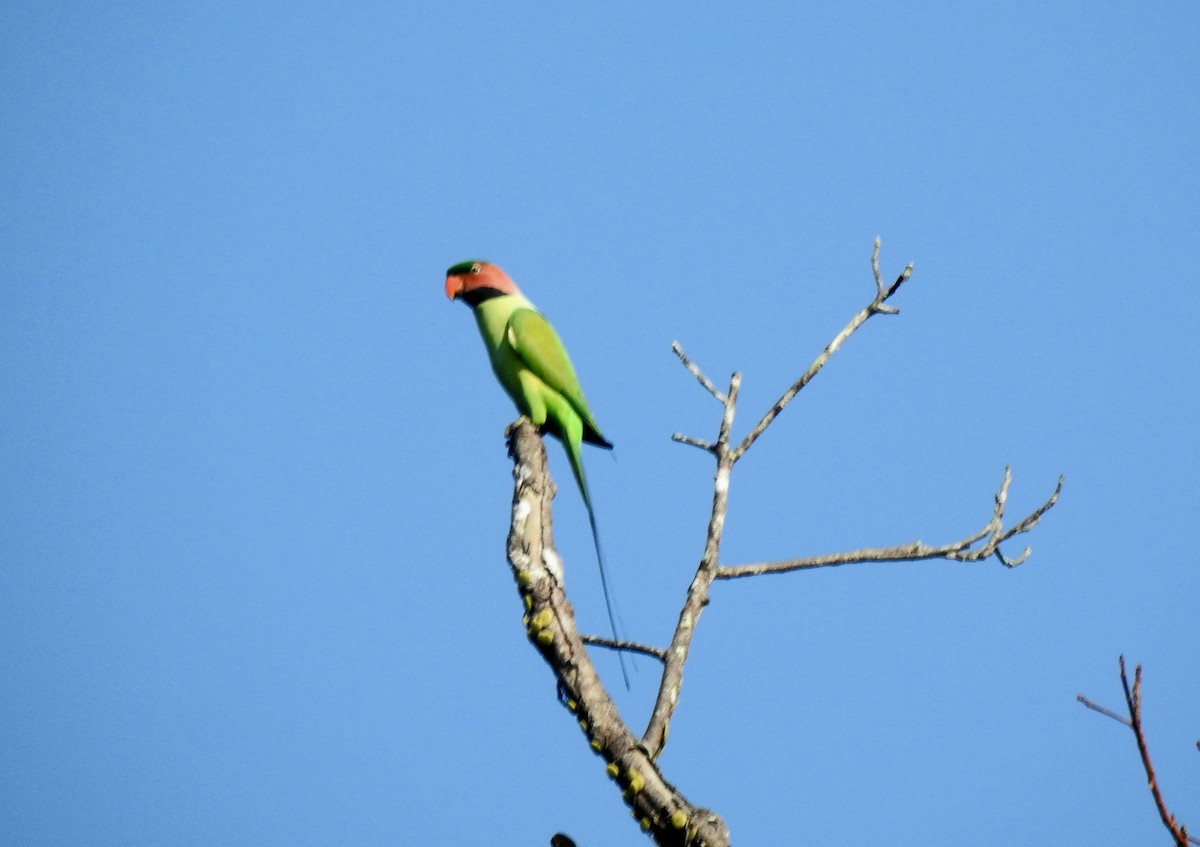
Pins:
x: 492, y: 316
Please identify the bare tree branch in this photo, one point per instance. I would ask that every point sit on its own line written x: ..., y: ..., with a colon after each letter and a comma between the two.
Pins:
x: 1133, y: 699
x: 696, y: 372
x: 1133, y: 702
x: 657, y: 805
x: 960, y: 550
x: 660, y: 809
x: 875, y: 307
x: 706, y: 446
x: 1108, y: 713
x: 900, y: 280
x: 655, y: 735
x: 626, y: 646
x: 992, y: 535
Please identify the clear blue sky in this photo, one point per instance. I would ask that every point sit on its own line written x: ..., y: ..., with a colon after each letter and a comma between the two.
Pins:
x: 252, y: 587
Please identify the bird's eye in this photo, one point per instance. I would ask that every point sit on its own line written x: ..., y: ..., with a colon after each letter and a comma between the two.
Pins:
x: 475, y: 268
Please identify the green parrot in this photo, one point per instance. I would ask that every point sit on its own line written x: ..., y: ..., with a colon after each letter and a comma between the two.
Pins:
x: 532, y: 366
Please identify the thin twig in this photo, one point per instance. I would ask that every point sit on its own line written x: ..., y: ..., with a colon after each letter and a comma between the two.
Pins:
x: 706, y: 446
x: 959, y: 550
x: 695, y: 371
x: 878, y: 306
x: 655, y: 736
x: 1133, y: 702
x: 1108, y: 713
x: 1133, y: 699
x: 900, y: 280
x: 626, y: 646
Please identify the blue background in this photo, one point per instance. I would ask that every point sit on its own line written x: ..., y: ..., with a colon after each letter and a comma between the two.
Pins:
x: 255, y: 494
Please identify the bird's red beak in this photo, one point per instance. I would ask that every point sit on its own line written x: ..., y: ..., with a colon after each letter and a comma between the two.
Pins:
x: 454, y: 287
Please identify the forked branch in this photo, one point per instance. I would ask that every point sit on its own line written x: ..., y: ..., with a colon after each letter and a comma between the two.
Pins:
x: 1133, y: 702
x: 878, y: 306
x: 980, y: 545
x: 658, y: 806
x: 992, y: 535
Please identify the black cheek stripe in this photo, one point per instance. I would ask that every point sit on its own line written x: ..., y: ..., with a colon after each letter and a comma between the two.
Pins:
x: 477, y: 295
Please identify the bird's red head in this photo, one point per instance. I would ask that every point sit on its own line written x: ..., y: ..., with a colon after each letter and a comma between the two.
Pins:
x: 475, y: 281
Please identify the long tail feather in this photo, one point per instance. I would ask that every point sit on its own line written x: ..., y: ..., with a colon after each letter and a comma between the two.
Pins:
x: 609, y: 602
x: 608, y: 599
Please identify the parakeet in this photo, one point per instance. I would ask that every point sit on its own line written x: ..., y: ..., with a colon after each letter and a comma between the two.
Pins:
x: 532, y: 366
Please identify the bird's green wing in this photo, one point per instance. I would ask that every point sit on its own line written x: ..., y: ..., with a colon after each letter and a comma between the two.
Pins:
x: 539, y: 347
